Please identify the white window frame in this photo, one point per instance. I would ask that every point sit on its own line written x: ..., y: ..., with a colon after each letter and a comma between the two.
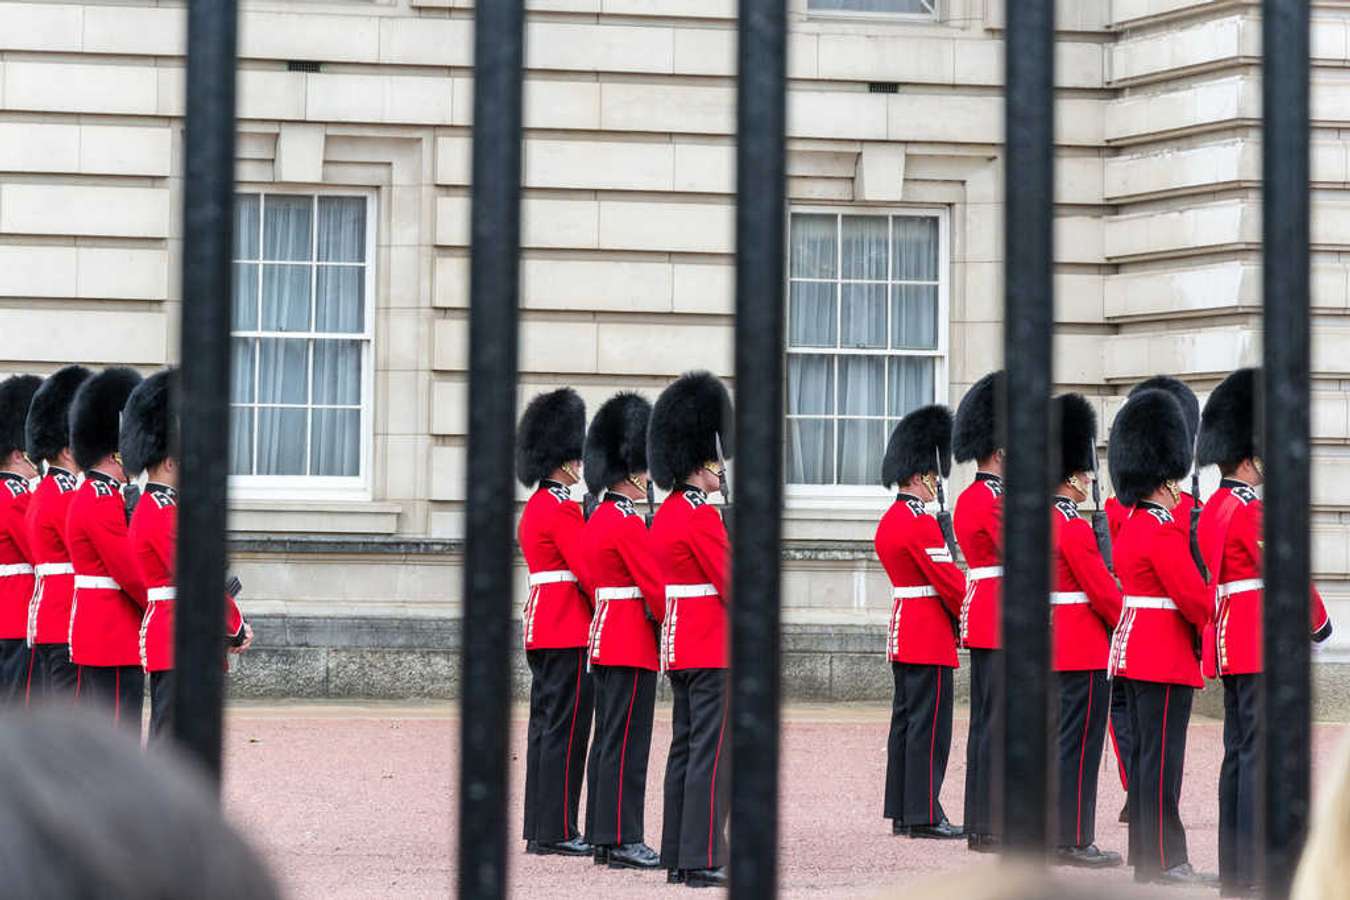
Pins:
x: 864, y: 496
x: 934, y: 16
x: 357, y: 487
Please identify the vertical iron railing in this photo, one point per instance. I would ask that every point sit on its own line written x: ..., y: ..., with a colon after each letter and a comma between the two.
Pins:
x: 761, y: 188
x: 208, y: 236
x: 494, y: 287
x: 1029, y: 177
x: 1285, y: 216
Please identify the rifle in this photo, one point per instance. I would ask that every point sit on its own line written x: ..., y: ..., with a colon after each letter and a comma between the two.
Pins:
x: 1195, y: 526
x: 589, y: 504
x: 1100, y: 526
x: 723, y: 483
x: 944, y: 517
x: 651, y: 503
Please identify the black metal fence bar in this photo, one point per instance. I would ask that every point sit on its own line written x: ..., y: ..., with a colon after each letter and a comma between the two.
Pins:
x: 494, y: 287
x: 208, y: 235
x: 1029, y: 175
x: 1288, y: 714
x: 760, y: 209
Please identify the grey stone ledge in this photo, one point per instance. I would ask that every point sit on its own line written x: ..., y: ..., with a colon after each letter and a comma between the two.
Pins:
x: 375, y: 545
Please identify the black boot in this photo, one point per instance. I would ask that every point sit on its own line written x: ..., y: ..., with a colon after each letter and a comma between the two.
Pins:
x: 634, y: 856
x: 573, y: 846
x: 1184, y: 874
x: 601, y: 854
x: 1124, y: 817
x: 700, y: 878
x: 982, y: 843
x: 1088, y: 857
x: 674, y: 876
x: 941, y: 831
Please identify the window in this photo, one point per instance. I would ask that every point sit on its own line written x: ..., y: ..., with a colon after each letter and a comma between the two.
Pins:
x: 301, y: 338
x: 866, y: 338
x: 886, y: 7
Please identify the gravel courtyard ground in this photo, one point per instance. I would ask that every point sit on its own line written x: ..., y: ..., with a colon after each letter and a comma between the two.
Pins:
x: 358, y: 801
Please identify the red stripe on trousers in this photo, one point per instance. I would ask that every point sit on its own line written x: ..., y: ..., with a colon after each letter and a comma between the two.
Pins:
x: 1120, y: 761
x: 623, y: 754
x: 28, y: 685
x: 1162, y: 770
x: 572, y: 730
x: 117, y: 696
x: 712, y: 789
x: 932, y: 744
x: 1082, y: 755
x: 79, y: 671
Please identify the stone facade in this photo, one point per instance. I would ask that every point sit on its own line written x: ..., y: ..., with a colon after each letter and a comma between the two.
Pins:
x: 628, y: 218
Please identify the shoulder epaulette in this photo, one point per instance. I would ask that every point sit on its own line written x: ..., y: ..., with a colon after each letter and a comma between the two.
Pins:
x: 695, y: 498
x: 625, y: 506
x: 65, y: 482
x: 102, y: 488
x: 916, y: 507
x: 162, y: 499
x: 1161, y: 515
x: 1245, y: 494
x: 1067, y: 509
x: 995, y: 486
x: 17, y: 486
x: 560, y: 493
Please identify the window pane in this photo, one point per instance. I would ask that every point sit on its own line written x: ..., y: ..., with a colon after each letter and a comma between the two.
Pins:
x: 337, y: 373
x: 285, y: 299
x: 810, y: 385
x: 811, y: 314
x: 241, y: 369
x: 335, y: 442
x: 281, y: 441
x: 861, y: 446
x: 342, y: 229
x: 246, y: 208
x: 241, y: 440
x: 245, y: 297
x: 861, y: 385
x: 288, y: 227
x: 865, y: 245
x: 810, y: 451
x: 863, y: 317
x: 914, y: 312
x: 916, y: 249
x: 813, y: 246
x: 911, y: 383
x: 882, y: 6
x: 283, y: 371
x: 340, y: 299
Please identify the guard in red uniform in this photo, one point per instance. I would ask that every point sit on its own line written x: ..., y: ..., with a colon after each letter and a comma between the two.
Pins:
x: 149, y: 434
x: 47, y: 433
x: 691, y: 541
x: 979, y: 530
x: 110, y: 600
x: 1084, y: 608
x: 629, y: 604
x: 1230, y: 538
x: 555, y: 622
x: 927, y: 588
x: 16, y: 558
x: 1154, y: 651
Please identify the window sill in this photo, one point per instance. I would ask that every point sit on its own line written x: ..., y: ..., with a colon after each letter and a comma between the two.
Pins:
x: 313, y: 517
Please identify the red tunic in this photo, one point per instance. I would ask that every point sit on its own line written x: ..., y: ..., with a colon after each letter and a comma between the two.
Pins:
x: 691, y: 543
x: 16, y: 560
x: 927, y: 586
x: 978, y: 522
x: 630, y: 592
x: 49, y: 613
x: 1166, y: 601
x: 153, y: 536
x: 1230, y: 539
x: 557, y: 613
x: 105, y: 616
x: 1085, y: 606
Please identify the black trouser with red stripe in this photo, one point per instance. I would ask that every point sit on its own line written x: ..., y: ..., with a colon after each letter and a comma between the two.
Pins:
x: 15, y: 663
x: 625, y: 701
x: 1239, y: 781
x: 1159, y: 715
x: 59, y: 675
x: 561, y: 700
x: 979, y: 811
x: 1122, y: 734
x: 693, y: 835
x: 1084, y: 702
x: 920, y: 739
x: 119, y: 689
x: 161, y: 704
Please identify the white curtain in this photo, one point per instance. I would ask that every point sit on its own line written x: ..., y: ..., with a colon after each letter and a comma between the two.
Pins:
x: 884, y: 6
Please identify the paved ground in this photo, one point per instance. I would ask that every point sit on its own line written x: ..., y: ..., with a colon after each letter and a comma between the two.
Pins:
x: 358, y: 802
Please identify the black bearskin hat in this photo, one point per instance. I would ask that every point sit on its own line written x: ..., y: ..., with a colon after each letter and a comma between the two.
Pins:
x: 1077, y: 422
x: 616, y: 442
x: 551, y: 432
x: 921, y: 442
x: 47, y: 431
x: 1148, y: 445
x: 96, y: 413
x: 689, y: 416
x: 16, y: 396
x: 1190, y: 406
x: 1229, y: 425
x: 149, y: 432
x: 977, y: 432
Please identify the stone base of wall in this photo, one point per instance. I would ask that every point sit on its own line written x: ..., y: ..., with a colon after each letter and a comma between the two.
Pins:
x: 303, y: 657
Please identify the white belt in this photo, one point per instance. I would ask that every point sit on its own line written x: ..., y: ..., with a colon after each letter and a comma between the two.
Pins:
x: 553, y: 577
x: 618, y: 593
x: 1240, y: 587
x: 45, y: 569
x: 96, y: 582
x: 679, y: 591
x: 909, y: 593
x: 15, y: 569
x: 159, y: 594
x: 1068, y: 598
x: 1150, y: 603
x: 983, y: 572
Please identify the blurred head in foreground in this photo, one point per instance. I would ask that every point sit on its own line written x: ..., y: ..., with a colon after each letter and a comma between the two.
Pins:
x: 1321, y: 872
x: 85, y: 814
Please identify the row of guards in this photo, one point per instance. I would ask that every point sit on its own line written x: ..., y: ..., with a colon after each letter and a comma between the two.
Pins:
x: 755, y: 652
